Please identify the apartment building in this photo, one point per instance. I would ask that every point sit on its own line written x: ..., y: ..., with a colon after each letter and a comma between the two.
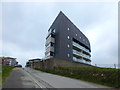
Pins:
x: 65, y: 41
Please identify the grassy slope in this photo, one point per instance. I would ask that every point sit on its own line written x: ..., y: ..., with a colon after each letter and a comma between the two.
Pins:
x: 0, y: 75
x: 6, y: 70
x: 104, y: 76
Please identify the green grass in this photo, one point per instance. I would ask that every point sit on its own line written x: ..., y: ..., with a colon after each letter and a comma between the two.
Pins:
x: 0, y: 76
x: 6, y: 70
x: 105, y: 76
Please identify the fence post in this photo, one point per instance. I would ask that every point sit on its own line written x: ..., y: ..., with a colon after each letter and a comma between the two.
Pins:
x: 115, y: 65
x: 96, y: 65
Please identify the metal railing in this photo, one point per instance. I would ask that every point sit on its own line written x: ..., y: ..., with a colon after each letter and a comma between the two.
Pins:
x: 76, y: 52
x: 80, y: 60
x: 81, y: 47
x: 81, y: 54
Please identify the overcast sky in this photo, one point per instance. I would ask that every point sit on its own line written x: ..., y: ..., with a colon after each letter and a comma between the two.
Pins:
x: 25, y: 25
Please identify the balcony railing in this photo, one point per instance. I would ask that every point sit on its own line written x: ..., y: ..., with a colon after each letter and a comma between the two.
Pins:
x: 51, y: 31
x: 51, y: 48
x: 81, y: 54
x: 51, y: 39
x: 76, y: 52
x: 80, y: 60
x: 81, y: 47
x: 86, y: 56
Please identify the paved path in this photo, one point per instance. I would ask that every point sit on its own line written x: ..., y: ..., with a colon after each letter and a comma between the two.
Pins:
x: 55, y: 81
x: 19, y: 79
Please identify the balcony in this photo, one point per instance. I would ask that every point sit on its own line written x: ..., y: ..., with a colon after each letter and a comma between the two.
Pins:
x: 51, y: 48
x: 80, y: 60
x: 50, y: 31
x: 81, y: 54
x: 51, y: 39
x: 47, y: 57
x: 77, y: 53
x: 80, y: 47
x: 86, y: 56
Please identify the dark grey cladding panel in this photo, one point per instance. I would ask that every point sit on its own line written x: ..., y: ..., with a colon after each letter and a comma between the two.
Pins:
x: 66, y: 23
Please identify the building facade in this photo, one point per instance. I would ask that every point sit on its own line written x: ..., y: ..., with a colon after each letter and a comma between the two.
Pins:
x: 66, y: 41
x: 8, y: 61
x: 31, y: 62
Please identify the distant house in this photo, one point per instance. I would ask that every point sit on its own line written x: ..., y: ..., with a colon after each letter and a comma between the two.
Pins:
x: 8, y: 61
x: 31, y: 62
x: 27, y: 64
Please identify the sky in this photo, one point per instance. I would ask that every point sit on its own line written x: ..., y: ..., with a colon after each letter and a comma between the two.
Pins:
x: 25, y: 26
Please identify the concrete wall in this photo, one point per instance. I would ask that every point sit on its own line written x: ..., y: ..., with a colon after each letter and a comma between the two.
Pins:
x: 51, y: 63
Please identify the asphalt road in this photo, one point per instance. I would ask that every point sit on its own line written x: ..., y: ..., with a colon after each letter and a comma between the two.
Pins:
x: 55, y: 81
x: 19, y: 79
x: 29, y: 78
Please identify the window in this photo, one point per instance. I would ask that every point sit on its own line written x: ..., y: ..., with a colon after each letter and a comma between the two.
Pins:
x: 83, y: 39
x: 86, y: 41
x: 68, y: 55
x: 52, y: 44
x: 76, y: 34
x: 53, y: 31
x: 68, y: 37
x: 80, y: 37
x: 68, y: 45
x: 68, y: 29
x: 51, y: 53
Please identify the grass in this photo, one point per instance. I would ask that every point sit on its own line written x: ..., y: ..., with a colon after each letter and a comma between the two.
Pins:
x: 105, y: 76
x: 0, y: 76
x: 6, y: 70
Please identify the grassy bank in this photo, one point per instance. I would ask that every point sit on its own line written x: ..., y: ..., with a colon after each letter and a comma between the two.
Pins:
x: 0, y: 76
x: 105, y: 76
x: 6, y: 70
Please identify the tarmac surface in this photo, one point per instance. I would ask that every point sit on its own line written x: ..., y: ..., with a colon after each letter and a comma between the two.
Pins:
x: 19, y: 79
x: 30, y: 78
x: 50, y: 80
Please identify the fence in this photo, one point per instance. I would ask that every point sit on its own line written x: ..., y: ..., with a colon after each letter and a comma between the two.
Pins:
x: 107, y: 65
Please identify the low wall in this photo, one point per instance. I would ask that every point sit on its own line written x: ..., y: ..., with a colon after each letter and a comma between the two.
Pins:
x: 52, y: 62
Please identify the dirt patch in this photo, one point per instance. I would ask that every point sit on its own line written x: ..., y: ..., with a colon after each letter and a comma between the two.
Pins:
x: 17, y: 68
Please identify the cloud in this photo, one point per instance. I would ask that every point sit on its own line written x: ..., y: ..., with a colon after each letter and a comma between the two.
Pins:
x: 104, y: 40
x: 25, y: 27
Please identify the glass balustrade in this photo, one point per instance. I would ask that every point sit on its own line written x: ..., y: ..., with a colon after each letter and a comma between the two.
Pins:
x: 50, y: 39
x: 86, y: 56
x: 76, y: 52
x: 81, y: 47
x: 80, y: 60
x: 87, y: 62
x: 80, y: 54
